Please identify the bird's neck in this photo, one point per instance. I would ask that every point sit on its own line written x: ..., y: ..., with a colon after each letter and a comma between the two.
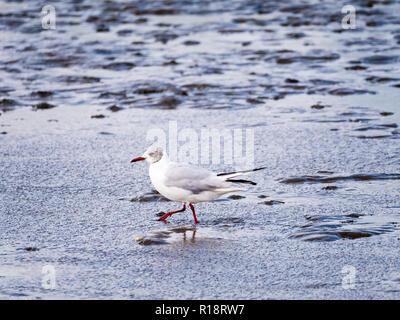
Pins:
x: 157, y: 170
x: 162, y: 163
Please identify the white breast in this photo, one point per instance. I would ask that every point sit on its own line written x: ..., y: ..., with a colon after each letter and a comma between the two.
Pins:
x: 157, y: 177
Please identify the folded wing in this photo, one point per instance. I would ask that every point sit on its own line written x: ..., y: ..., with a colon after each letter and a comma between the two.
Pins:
x: 193, y: 179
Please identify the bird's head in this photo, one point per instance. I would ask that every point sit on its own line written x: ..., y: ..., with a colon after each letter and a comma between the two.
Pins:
x: 152, y: 155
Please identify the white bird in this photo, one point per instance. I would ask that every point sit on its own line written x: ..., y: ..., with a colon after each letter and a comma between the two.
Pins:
x: 187, y: 183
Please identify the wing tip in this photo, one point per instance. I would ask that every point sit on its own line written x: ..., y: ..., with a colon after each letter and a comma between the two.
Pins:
x: 235, y: 172
x: 241, y: 181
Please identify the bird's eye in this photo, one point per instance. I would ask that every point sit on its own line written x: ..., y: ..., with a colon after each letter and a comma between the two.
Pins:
x: 151, y: 154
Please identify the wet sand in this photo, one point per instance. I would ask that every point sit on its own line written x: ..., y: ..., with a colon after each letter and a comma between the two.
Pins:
x: 76, y: 104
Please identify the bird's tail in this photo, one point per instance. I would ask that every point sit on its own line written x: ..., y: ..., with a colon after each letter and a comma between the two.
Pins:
x: 241, y: 181
x: 229, y: 175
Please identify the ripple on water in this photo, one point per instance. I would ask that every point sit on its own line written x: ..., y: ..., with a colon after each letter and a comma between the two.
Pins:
x: 353, y: 177
x: 381, y: 59
x: 353, y: 226
x: 152, y: 196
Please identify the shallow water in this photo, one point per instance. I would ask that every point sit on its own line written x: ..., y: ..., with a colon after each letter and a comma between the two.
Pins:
x: 77, y: 102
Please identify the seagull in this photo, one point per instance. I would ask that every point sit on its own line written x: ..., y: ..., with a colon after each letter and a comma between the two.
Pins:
x: 186, y: 183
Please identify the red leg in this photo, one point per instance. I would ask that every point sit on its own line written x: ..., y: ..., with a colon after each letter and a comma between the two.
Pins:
x: 165, y: 216
x: 194, y: 213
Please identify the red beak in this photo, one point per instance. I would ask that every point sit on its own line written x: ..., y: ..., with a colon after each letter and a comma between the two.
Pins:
x: 138, y: 159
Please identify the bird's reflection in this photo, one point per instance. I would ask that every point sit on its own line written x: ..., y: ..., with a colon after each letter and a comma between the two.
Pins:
x: 170, y: 235
x: 188, y: 232
x: 192, y: 239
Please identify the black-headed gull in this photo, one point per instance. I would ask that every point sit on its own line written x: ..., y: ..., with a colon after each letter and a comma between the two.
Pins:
x: 187, y: 183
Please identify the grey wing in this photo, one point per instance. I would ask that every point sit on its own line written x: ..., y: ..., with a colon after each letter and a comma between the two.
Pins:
x: 191, y: 178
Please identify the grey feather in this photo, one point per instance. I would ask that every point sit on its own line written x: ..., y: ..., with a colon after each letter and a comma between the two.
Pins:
x: 193, y: 179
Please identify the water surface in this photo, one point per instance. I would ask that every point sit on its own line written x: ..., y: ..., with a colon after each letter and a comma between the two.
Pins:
x: 76, y: 104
